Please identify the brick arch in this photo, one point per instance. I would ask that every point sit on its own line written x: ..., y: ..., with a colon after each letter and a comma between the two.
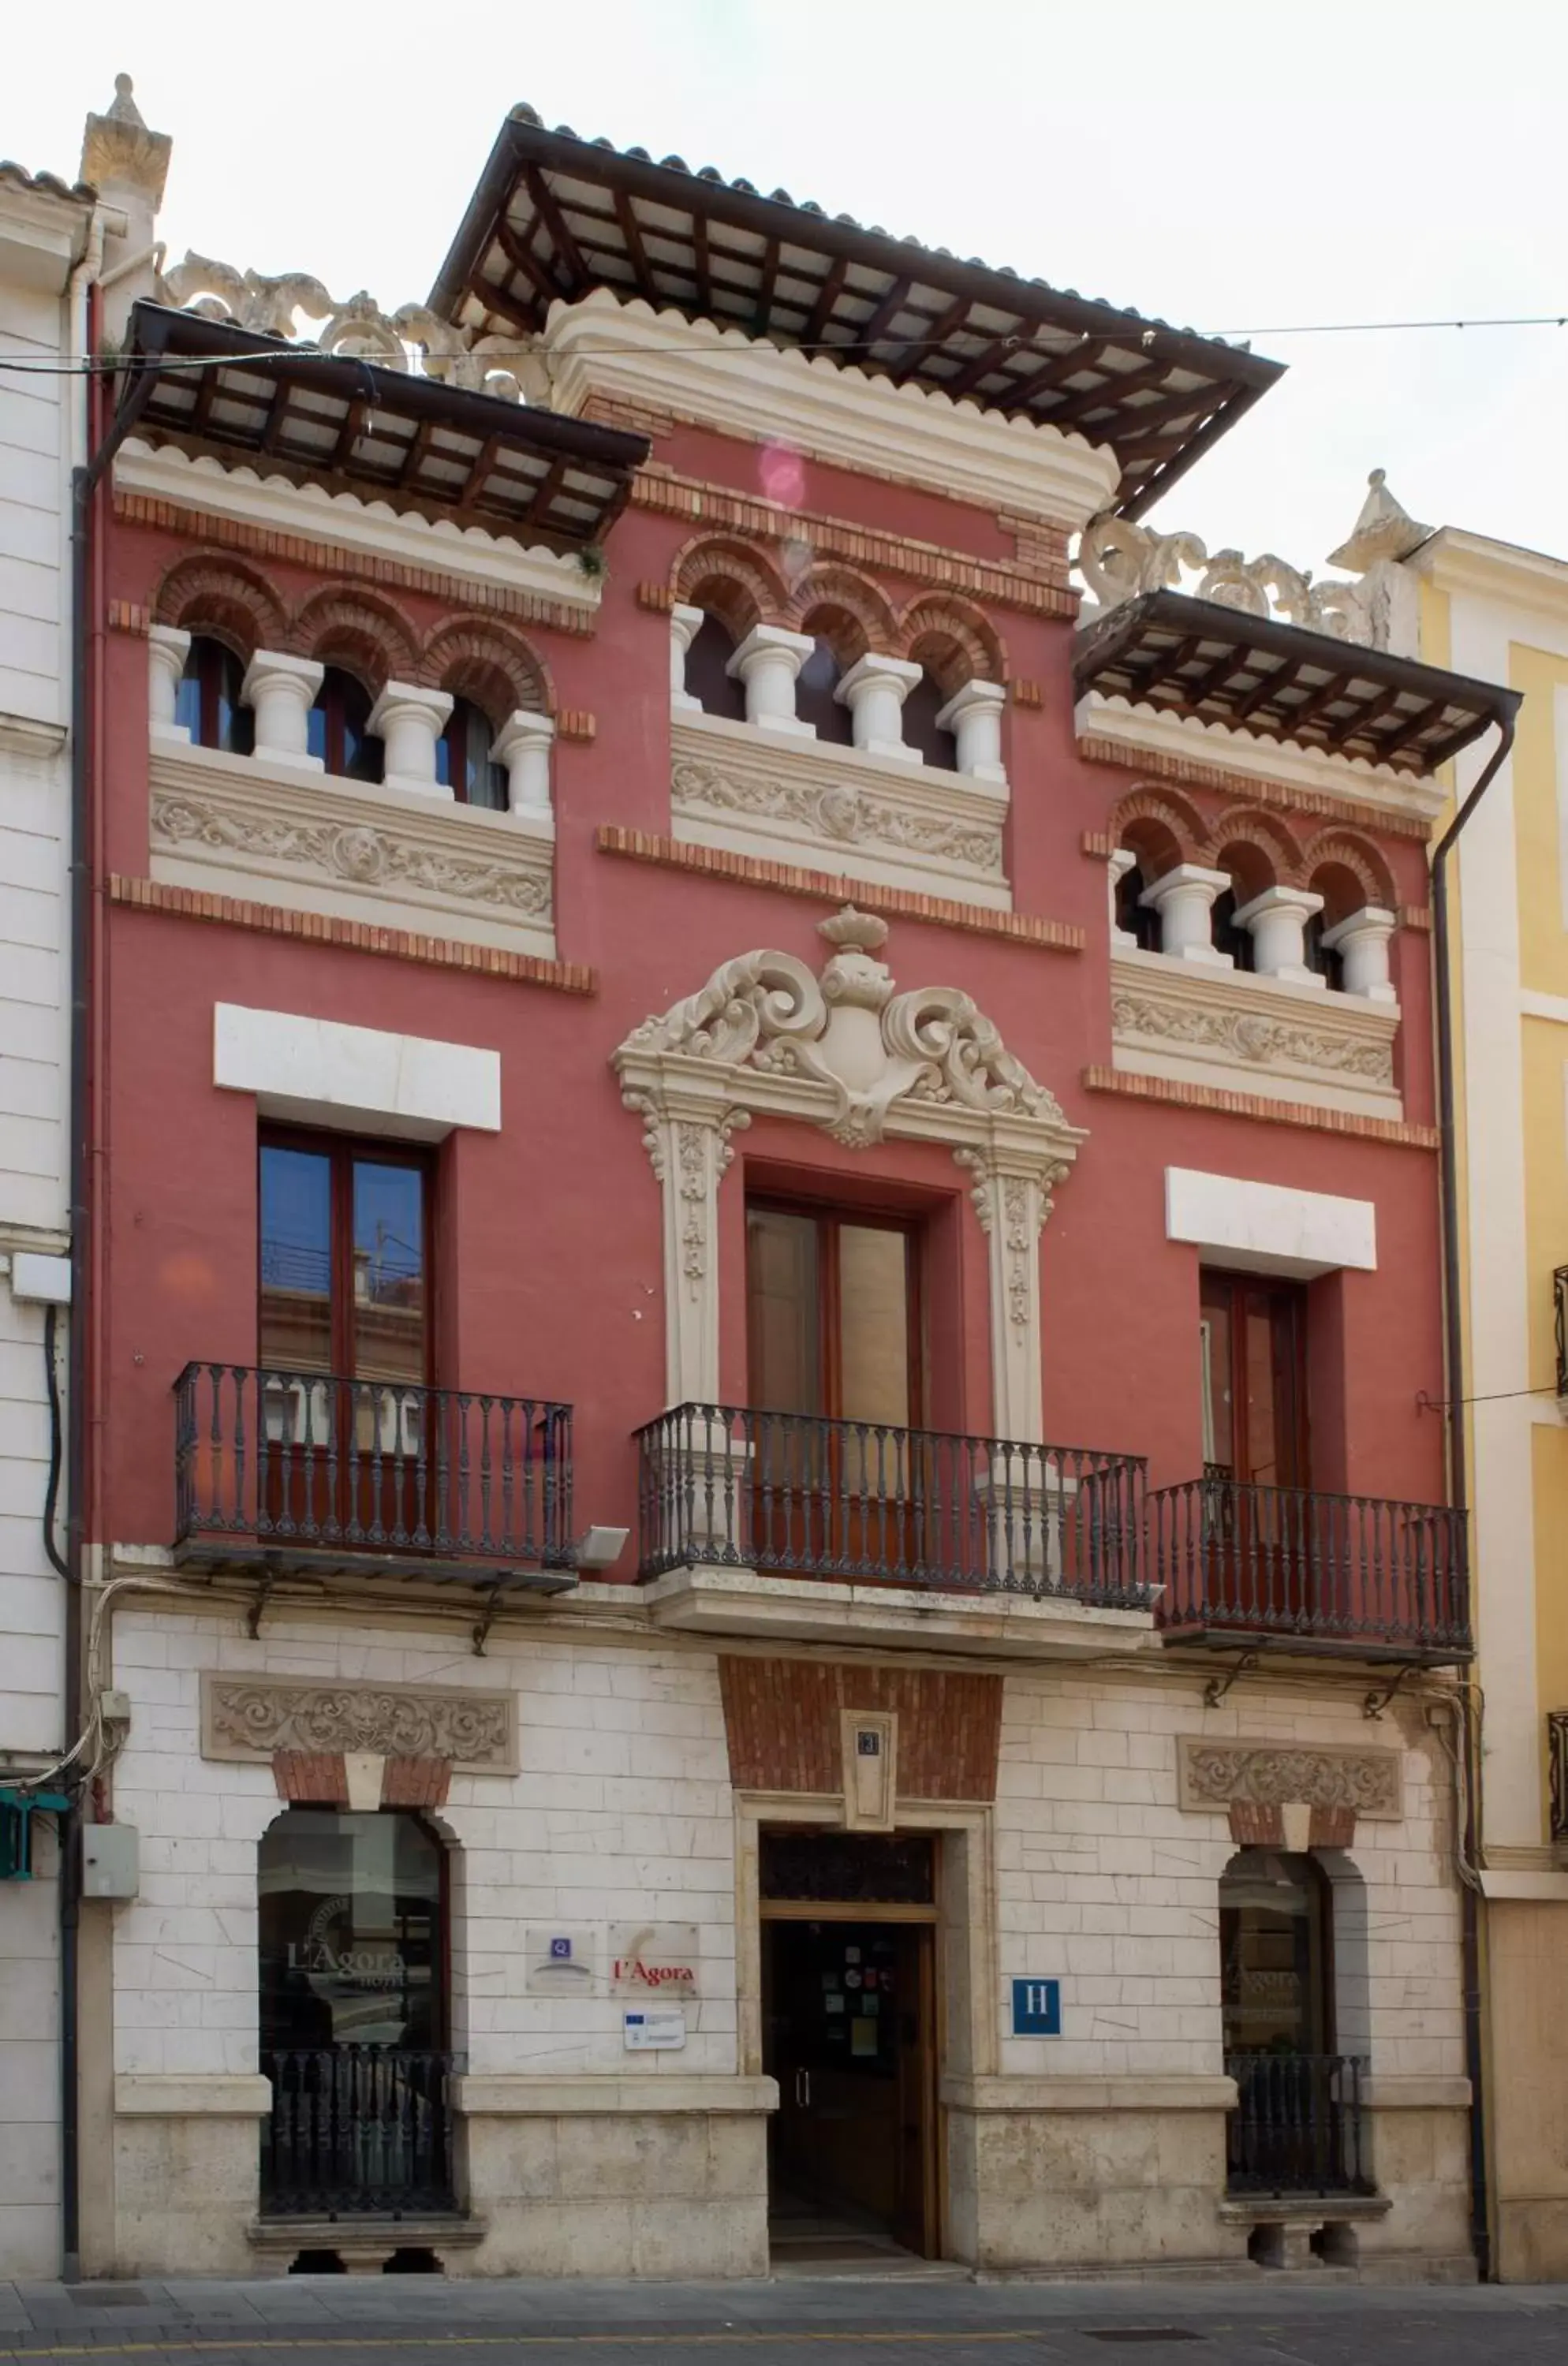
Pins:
x: 1339, y: 849
x: 1274, y: 848
x: 1162, y: 819
x: 855, y: 610
x: 208, y: 591
x: 343, y: 626
x: 474, y: 658
x: 952, y: 638
x: 732, y: 580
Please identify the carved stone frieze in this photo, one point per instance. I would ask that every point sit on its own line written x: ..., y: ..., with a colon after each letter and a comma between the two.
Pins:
x: 363, y: 857
x: 1248, y: 1035
x: 841, y: 812
x: 248, y: 1718
x: 1214, y: 1774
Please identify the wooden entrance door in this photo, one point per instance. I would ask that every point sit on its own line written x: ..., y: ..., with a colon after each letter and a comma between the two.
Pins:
x: 833, y: 1347
x: 849, y: 2013
x: 1256, y: 1444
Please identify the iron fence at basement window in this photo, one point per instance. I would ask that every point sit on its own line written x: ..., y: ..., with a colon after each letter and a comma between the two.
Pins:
x: 1298, y: 2127
x: 357, y: 2128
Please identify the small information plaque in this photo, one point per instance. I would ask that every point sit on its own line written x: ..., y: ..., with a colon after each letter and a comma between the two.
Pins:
x: 649, y: 2032
x: 1037, y: 2008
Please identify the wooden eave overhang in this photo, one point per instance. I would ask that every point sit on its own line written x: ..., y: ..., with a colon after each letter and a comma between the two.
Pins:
x: 356, y: 426
x: 1200, y: 661
x: 554, y: 216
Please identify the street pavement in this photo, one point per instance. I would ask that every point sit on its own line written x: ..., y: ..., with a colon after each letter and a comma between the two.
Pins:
x: 1263, y: 2319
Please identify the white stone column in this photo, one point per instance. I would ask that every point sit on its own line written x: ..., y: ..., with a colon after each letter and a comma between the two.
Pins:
x: 974, y: 715
x: 167, y: 649
x: 685, y: 624
x: 874, y: 690
x: 523, y: 744
x: 1278, y: 921
x: 767, y: 661
x: 1123, y: 941
x: 1361, y: 941
x: 281, y: 690
x: 1012, y: 1207
x: 410, y: 721
x: 1185, y: 900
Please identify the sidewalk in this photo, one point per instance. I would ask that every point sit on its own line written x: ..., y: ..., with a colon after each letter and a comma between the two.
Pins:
x: 416, y: 2312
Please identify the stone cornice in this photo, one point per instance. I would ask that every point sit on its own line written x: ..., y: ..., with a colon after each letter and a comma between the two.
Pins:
x: 1177, y: 1093
x: 1453, y: 560
x: 898, y: 824
x: 341, y: 521
x: 1143, y: 732
x: 721, y: 378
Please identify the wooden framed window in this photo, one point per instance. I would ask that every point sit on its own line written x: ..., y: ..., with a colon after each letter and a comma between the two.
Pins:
x: 833, y: 1315
x: 339, y: 733
x: 207, y: 701
x: 343, y: 1266
x: 464, y: 763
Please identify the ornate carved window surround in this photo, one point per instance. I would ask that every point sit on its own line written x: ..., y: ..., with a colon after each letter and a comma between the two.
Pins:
x: 845, y: 1053
x: 1202, y: 1025
x: 874, y: 818
x: 267, y: 830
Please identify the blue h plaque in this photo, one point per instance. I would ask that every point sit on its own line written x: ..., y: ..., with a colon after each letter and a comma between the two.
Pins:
x: 1037, y: 2008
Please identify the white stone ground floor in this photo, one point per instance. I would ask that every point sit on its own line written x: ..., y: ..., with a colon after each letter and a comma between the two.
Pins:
x: 607, y: 1786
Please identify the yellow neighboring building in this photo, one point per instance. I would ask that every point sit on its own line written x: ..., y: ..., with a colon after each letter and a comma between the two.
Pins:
x: 1489, y: 609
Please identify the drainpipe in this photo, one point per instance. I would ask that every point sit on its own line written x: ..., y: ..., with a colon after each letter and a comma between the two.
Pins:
x: 85, y: 478
x: 1459, y: 1492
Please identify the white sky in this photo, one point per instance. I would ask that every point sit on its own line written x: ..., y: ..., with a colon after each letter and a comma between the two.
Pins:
x: 1231, y: 164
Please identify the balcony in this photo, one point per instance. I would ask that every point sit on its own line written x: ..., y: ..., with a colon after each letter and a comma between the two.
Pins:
x: 1289, y: 1568
x: 308, y: 1474
x: 790, y: 1525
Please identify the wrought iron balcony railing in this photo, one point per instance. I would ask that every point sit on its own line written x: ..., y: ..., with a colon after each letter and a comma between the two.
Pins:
x: 1298, y: 2125
x: 306, y: 1463
x: 1559, y: 1325
x: 1243, y: 1563
x: 357, y: 2128
x: 867, y: 1501
x: 1557, y: 1768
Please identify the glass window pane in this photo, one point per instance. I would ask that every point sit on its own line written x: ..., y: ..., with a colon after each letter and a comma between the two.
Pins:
x: 389, y: 1294
x: 349, y: 1931
x: 296, y: 1314
x: 1214, y: 1333
x: 1274, y: 1953
x: 785, y: 1344
x: 873, y: 1324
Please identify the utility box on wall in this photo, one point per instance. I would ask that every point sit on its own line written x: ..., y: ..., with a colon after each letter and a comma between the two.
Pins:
x: 109, y: 1860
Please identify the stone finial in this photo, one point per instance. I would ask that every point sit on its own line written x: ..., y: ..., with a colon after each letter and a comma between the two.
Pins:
x: 120, y: 155
x: 1385, y: 529
x: 862, y: 931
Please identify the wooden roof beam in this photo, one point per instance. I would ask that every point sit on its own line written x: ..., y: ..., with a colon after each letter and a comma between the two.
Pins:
x: 524, y: 260
x: 555, y: 223
x: 827, y: 297
x: 1113, y: 386
x: 892, y: 304
x: 627, y: 218
x: 979, y: 366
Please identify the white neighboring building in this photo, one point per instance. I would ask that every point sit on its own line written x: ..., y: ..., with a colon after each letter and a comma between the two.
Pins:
x: 46, y: 230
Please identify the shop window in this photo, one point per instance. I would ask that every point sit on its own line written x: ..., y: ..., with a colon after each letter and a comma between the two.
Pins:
x: 464, y: 763
x: 351, y: 1911
x: 207, y: 703
x: 339, y: 724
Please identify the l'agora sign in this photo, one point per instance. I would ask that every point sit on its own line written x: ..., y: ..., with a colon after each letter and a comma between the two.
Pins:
x: 653, y: 1958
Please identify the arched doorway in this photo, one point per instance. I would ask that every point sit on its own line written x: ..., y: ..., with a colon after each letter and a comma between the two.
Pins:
x: 1297, y: 2125
x: 353, y: 2009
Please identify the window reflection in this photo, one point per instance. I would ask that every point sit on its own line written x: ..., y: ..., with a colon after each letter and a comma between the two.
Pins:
x: 350, y: 1931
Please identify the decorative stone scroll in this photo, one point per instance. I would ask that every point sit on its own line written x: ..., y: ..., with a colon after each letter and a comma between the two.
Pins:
x: 249, y: 1720
x: 411, y: 338
x: 1215, y: 1775
x: 845, y: 1053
